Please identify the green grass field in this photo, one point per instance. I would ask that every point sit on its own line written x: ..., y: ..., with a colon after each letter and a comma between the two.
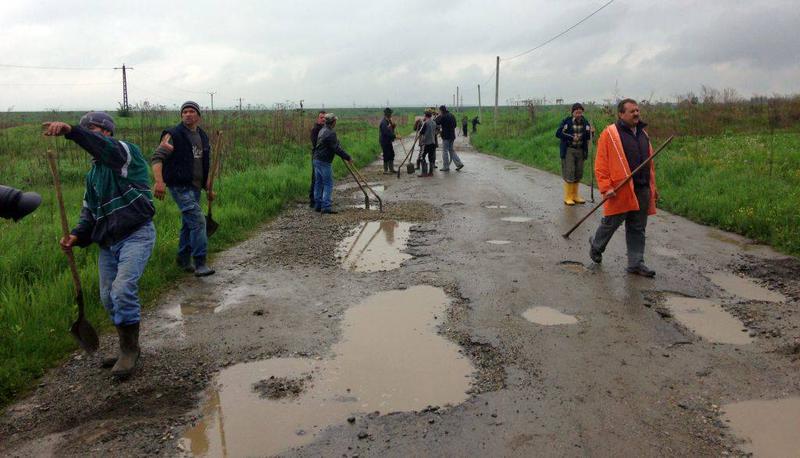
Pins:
x: 266, y: 165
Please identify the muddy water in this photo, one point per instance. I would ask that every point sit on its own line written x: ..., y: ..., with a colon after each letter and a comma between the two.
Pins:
x: 745, y: 288
x: 498, y: 242
x: 375, y: 246
x: 547, y: 316
x: 770, y: 428
x: 708, y: 320
x: 390, y: 359
x: 517, y: 219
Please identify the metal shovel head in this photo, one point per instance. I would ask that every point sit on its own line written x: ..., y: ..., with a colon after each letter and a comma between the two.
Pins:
x: 410, y: 168
x: 83, y: 331
x: 211, y: 225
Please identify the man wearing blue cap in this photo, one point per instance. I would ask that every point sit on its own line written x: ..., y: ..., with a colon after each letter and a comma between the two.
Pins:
x: 181, y: 162
x: 117, y: 214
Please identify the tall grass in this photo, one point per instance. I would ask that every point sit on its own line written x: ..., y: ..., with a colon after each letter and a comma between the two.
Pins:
x: 266, y: 164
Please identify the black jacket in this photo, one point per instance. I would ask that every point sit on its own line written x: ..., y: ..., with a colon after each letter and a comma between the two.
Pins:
x: 179, y: 166
x: 328, y: 146
x: 387, y: 135
x: 448, y: 123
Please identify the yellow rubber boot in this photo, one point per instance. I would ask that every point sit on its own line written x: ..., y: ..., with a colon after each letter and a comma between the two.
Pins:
x: 568, y: 194
x: 575, y: 196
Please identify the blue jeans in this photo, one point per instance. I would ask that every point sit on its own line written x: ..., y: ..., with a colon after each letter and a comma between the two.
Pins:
x: 193, y: 238
x: 323, y: 185
x: 448, y: 154
x: 121, y: 265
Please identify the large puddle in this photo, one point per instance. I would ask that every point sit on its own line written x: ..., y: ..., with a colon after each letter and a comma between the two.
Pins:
x: 745, y: 288
x: 375, y: 246
x: 547, y: 316
x: 769, y: 428
x: 708, y: 320
x: 389, y: 359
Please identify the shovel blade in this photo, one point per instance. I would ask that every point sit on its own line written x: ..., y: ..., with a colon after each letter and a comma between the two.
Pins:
x: 211, y: 226
x: 410, y: 168
x: 85, y: 334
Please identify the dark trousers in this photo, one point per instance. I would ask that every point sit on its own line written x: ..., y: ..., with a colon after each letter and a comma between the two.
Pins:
x: 311, y: 200
x: 464, y: 129
x: 635, y: 225
x: 429, y: 151
x: 388, y: 152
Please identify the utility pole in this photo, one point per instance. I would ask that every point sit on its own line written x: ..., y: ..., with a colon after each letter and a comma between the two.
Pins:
x: 212, y: 102
x: 457, y: 99
x: 240, y: 104
x: 454, y: 100
x: 125, y: 106
x: 479, y: 103
x: 496, y: 89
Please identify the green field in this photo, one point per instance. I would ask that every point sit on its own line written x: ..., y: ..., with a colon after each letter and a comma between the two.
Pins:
x: 734, y: 167
x: 266, y: 164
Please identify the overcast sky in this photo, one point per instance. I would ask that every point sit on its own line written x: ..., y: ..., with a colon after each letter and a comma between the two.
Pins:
x: 410, y: 52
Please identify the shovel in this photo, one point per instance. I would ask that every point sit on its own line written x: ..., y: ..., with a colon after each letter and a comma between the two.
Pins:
x: 211, y: 225
x: 81, y: 329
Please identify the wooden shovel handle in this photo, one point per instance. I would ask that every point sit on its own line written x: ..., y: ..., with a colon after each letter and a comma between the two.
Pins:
x: 51, y: 159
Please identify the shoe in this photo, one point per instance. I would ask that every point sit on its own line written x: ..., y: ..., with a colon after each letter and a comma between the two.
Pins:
x: 568, y: 194
x: 128, y: 351
x: 594, y: 253
x: 200, y: 267
x: 385, y: 167
x: 184, y: 261
x: 317, y: 209
x: 444, y: 170
x: 642, y: 270
x: 329, y: 212
x: 391, y: 168
x: 575, y: 196
x: 459, y: 167
x: 312, y: 205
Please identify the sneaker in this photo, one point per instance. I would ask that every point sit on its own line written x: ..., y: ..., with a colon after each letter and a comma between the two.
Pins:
x: 594, y: 253
x: 459, y: 167
x: 642, y: 270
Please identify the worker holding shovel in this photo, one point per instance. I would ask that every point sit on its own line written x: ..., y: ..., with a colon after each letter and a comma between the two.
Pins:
x: 621, y: 148
x: 117, y: 214
x: 327, y: 146
x: 182, y: 163
x: 575, y: 133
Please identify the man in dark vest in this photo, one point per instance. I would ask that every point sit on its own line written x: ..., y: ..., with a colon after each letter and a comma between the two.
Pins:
x: 181, y: 162
x: 385, y: 138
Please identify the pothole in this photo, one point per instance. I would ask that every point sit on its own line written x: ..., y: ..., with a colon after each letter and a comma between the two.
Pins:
x: 547, y: 316
x: 744, y: 287
x: 517, y: 219
x: 769, y: 428
x: 498, y: 242
x: 390, y: 359
x: 708, y: 320
x: 573, y: 266
x: 375, y: 246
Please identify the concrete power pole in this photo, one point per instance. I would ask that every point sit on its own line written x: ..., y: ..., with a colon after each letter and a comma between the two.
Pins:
x: 458, y: 98
x: 496, y: 89
x: 479, y: 103
x: 212, y: 102
x: 125, y: 106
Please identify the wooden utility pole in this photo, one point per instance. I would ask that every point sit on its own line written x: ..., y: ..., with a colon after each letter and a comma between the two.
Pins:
x: 496, y: 89
x: 125, y: 106
x: 479, y: 103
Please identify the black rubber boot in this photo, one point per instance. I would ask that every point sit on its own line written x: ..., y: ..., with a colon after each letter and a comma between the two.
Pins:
x: 128, y: 351
x: 200, y: 267
x: 391, y: 167
x: 385, y: 167
x: 184, y: 261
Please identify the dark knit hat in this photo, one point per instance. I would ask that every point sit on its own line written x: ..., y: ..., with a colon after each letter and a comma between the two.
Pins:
x: 388, y: 111
x: 99, y: 119
x: 442, y: 108
x: 193, y: 105
x: 576, y: 106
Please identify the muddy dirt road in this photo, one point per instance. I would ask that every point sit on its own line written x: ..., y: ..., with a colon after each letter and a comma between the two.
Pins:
x: 456, y: 323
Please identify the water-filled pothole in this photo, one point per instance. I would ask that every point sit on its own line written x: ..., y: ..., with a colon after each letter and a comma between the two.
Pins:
x: 378, y: 188
x: 547, y: 316
x: 573, y: 266
x: 769, y: 428
x: 517, y: 219
x: 498, y: 242
x: 745, y: 288
x: 389, y: 359
x: 708, y: 320
x: 375, y: 246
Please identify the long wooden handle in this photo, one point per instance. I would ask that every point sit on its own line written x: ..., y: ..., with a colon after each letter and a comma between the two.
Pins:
x: 51, y: 159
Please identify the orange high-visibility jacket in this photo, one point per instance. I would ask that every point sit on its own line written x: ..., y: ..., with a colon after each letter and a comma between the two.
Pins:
x: 611, y: 168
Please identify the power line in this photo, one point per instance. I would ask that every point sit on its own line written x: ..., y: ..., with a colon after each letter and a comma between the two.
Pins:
x: 35, y: 67
x: 562, y: 33
x: 58, y: 84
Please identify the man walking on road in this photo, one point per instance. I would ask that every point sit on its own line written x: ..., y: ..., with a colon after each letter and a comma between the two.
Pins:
x: 622, y: 147
x: 327, y: 146
x: 385, y: 138
x: 117, y: 214
x: 427, y: 139
x: 448, y: 124
x: 575, y: 133
x: 464, y: 122
x: 314, y: 133
x: 181, y: 162
x: 475, y: 122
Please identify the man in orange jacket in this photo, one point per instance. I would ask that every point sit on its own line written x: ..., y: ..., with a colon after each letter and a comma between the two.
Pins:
x: 621, y: 148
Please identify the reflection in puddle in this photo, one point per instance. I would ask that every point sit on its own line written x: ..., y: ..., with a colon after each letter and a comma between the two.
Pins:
x: 769, y: 427
x: 498, y: 242
x: 192, y: 306
x: 708, y: 320
x: 547, y: 316
x: 517, y: 219
x: 390, y: 359
x: 573, y: 266
x: 745, y: 288
x: 496, y: 206
x: 375, y: 246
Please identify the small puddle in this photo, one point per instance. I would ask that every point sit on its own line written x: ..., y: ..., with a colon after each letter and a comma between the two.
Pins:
x: 373, y: 205
x: 192, y: 307
x: 547, y: 316
x: 573, y: 266
x: 378, y: 188
x: 517, y: 219
x: 745, y: 288
x: 375, y: 246
x: 390, y: 359
x: 770, y: 428
x: 708, y: 320
x: 498, y: 242
x: 496, y: 206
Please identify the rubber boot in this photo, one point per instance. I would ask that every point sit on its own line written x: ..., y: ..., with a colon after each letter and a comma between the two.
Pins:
x: 568, y: 194
x: 391, y: 167
x: 200, y: 267
x: 575, y: 196
x: 128, y: 351
x: 385, y: 167
x: 184, y: 261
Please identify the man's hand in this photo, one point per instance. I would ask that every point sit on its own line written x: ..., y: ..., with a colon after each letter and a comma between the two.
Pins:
x: 166, y: 143
x: 67, y: 243
x: 211, y: 195
x: 609, y: 194
x: 53, y: 129
x: 159, y: 189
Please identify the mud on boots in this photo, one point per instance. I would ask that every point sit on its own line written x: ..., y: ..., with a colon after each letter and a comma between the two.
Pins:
x: 386, y: 136
x: 181, y: 163
x: 124, y: 251
x: 575, y: 134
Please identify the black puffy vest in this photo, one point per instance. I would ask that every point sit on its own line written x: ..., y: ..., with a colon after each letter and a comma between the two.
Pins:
x: 179, y: 165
